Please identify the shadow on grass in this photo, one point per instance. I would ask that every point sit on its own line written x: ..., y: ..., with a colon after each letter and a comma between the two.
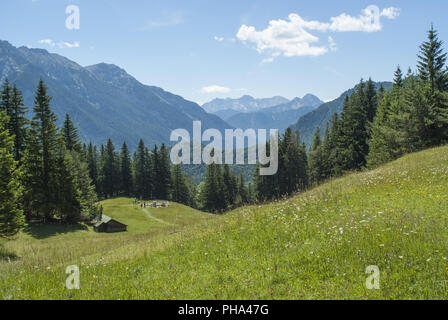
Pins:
x: 6, y: 255
x: 45, y: 230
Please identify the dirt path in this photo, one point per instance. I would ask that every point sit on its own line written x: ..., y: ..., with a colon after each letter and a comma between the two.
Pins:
x: 149, y: 215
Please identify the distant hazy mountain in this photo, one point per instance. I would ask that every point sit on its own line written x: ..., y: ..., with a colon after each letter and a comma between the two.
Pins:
x: 308, y: 123
x: 244, y: 104
x: 225, y: 114
x: 277, y: 117
x: 103, y: 100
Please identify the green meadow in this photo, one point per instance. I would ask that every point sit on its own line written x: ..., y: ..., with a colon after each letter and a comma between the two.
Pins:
x: 315, y: 245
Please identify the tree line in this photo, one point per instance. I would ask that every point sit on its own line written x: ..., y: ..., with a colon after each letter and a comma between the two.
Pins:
x: 47, y: 174
x: 375, y: 126
x: 378, y: 126
x: 43, y: 174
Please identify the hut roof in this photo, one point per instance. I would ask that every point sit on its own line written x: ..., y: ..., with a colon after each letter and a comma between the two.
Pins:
x: 106, y: 219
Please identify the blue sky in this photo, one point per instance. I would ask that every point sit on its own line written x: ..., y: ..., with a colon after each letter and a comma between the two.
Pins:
x: 202, y: 49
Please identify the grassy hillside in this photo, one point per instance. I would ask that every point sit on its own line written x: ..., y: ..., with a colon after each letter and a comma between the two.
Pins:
x: 51, y: 247
x: 316, y: 245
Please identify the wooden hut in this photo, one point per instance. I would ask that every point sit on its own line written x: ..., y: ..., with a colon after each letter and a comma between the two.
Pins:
x: 109, y: 225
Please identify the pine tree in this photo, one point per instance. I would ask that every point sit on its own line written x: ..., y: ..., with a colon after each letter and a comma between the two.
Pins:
x: 250, y: 194
x: 162, y: 173
x: 141, y: 164
x: 383, y: 145
x: 398, y: 77
x: 242, y: 190
x: 70, y: 134
x: 212, y: 197
x: 371, y: 103
x: 17, y: 123
x: 326, y: 153
x: 316, y: 159
x: 110, y: 173
x: 11, y: 215
x: 292, y: 172
x: 180, y: 190
x: 40, y: 158
x: 76, y: 197
x: 125, y: 170
x: 92, y: 163
x: 67, y: 205
x: 354, y: 129
x: 431, y: 63
x: 6, y: 100
x: 230, y: 186
x: 433, y: 72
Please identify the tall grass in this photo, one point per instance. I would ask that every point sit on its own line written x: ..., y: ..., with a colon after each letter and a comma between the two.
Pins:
x: 316, y: 245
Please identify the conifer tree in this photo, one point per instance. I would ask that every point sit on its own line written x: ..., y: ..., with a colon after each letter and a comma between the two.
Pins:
x: 180, y: 189
x: 11, y: 215
x: 370, y: 104
x: 398, y: 77
x: 433, y: 72
x: 213, y: 199
x: 70, y: 134
x: 17, y: 123
x: 40, y: 159
x: 6, y: 99
x: 162, y: 173
x: 92, y: 163
x: 143, y: 167
x: 316, y: 159
x: 230, y: 186
x: 125, y: 170
x: 110, y: 173
x: 242, y: 190
x: 431, y: 62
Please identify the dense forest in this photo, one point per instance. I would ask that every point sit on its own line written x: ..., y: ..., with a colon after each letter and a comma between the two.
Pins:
x: 48, y: 174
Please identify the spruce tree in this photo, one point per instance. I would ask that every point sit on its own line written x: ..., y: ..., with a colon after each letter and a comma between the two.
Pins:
x: 433, y: 72
x: 431, y: 62
x: 180, y: 188
x: 6, y: 100
x: 11, y: 215
x: 142, y: 172
x: 125, y: 170
x: 40, y: 158
x: 110, y: 173
x: 92, y: 163
x: 398, y: 77
x: 162, y: 173
x: 17, y: 123
x: 213, y: 200
x: 316, y: 159
x: 230, y: 187
x: 70, y: 134
x: 242, y: 190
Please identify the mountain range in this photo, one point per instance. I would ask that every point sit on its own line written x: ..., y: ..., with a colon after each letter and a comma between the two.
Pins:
x: 244, y: 104
x: 276, y: 117
x: 103, y: 100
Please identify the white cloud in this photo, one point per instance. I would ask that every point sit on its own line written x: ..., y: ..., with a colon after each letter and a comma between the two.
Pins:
x: 219, y: 39
x: 215, y: 89
x: 332, y: 44
x: 292, y: 37
x: 60, y: 44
